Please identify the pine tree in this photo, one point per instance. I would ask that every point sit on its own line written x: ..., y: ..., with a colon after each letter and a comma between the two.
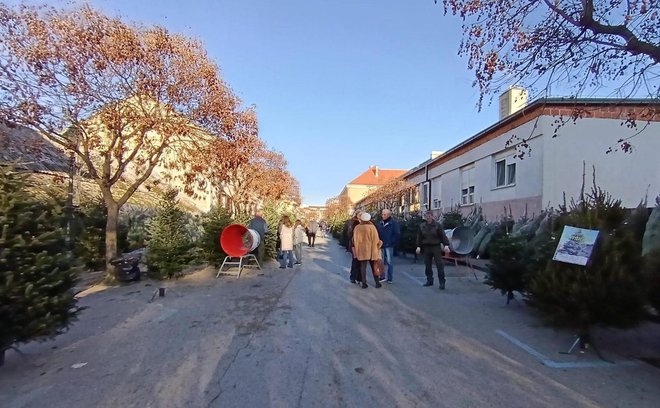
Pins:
x: 608, y: 291
x: 213, y: 223
x: 37, y: 271
x: 169, y: 249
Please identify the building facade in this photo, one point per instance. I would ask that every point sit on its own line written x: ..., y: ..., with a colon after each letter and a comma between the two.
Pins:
x: 543, y: 155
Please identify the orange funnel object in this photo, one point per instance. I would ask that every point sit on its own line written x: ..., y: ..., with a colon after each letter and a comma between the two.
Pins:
x: 236, y: 240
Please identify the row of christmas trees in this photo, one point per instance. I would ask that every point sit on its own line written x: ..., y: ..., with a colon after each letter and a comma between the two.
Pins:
x: 619, y: 285
x: 40, y: 265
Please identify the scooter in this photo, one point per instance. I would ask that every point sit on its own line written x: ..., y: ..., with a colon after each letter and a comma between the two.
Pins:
x: 127, y: 268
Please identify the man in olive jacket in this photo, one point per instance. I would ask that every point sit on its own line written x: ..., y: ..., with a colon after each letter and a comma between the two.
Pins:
x: 430, y: 238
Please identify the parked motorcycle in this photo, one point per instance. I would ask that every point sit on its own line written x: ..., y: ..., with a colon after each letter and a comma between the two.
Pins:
x: 127, y: 267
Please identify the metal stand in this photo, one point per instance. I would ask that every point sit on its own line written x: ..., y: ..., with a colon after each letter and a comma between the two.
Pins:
x: 245, y: 261
x: 584, y: 342
x: 578, y: 341
x: 466, y: 259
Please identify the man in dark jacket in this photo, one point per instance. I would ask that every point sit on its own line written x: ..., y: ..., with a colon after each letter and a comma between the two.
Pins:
x: 389, y: 232
x: 348, y: 234
x: 430, y: 238
x: 261, y: 226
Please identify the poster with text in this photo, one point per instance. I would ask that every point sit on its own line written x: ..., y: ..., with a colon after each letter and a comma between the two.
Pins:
x: 575, y: 245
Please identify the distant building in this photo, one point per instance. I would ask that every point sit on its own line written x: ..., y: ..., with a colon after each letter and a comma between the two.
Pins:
x: 313, y: 212
x: 366, y: 182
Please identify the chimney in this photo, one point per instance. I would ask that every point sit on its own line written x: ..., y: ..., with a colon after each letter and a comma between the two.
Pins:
x: 512, y: 100
x: 375, y: 169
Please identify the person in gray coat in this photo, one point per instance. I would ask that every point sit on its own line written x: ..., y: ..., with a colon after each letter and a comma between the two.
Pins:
x: 261, y: 226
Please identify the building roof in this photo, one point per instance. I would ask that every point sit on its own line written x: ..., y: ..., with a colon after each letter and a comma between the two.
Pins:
x: 375, y: 176
x: 26, y: 149
x: 615, y: 108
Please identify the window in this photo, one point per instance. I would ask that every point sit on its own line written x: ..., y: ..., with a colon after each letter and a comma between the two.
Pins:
x: 467, y: 185
x: 436, y: 187
x: 505, y: 172
x: 425, y: 194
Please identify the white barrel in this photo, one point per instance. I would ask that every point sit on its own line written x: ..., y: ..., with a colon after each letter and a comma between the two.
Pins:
x: 255, y: 239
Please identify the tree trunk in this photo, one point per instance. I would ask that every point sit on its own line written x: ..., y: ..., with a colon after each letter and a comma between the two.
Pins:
x: 111, y: 240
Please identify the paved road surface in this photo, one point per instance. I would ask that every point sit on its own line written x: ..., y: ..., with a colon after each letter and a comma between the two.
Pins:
x: 305, y: 337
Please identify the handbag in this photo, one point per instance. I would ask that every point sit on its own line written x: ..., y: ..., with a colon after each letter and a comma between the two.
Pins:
x: 379, y: 267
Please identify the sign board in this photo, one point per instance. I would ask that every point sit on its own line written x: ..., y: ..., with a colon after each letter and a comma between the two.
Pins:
x: 575, y: 245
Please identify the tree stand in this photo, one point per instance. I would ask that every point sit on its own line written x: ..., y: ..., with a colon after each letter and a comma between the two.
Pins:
x: 584, y: 342
x: 245, y: 261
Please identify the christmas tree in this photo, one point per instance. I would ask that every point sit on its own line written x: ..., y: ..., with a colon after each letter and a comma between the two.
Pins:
x: 608, y: 291
x: 213, y: 223
x: 36, y: 269
x: 169, y: 249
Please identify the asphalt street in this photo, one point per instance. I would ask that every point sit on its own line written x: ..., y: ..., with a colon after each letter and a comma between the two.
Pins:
x: 306, y: 337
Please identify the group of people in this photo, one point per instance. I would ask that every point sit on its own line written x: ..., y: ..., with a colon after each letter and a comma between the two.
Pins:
x: 374, y: 245
x: 370, y: 245
x: 292, y: 238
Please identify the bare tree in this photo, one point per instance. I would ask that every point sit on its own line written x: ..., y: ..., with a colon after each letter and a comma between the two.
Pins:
x: 580, y: 44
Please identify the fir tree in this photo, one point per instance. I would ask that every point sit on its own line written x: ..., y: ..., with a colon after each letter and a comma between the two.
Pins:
x: 608, y: 290
x: 36, y: 269
x: 213, y: 223
x: 169, y: 246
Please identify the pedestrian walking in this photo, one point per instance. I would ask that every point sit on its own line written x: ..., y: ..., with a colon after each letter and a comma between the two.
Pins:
x: 261, y: 226
x: 286, y: 243
x: 312, y: 228
x: 349, y: 227
x: 366, y: 248
x: 389, y: 232
x: 430, y: 240
x: 298, y: 240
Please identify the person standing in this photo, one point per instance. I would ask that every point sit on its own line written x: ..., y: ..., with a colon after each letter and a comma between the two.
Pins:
x: 312, y: 228
x: 286, y: 243
x: 430, y: 239
x: 366, y: 247
x: 348, y: 234
x: 261, y: 226
x: 298, y: 240
x: 389, y: 232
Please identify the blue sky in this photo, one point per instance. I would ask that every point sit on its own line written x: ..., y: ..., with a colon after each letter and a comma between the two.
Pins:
x: 338, y: 84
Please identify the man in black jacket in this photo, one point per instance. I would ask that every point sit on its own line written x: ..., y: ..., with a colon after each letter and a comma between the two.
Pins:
x: 348, y: 234
x: 431, y: 237
x: 261, y: 226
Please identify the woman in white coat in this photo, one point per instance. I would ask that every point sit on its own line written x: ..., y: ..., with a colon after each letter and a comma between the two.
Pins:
x: 286, y: 243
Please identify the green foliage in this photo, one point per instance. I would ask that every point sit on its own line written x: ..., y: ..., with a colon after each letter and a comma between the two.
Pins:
x: 89, y: 234
x: 169, y: 245
x: 337, y: 230
x: 37, y: 273
x: 514, y: 260
x: 651, y: 271
x: 213, y: 223
x: 135, y: 219
x: 608, y: 291
x: 651, y: 240
x: 409, y: 227
x: 453, y: 218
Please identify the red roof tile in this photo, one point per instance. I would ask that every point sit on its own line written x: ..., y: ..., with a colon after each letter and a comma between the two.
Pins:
x: 375, y: 176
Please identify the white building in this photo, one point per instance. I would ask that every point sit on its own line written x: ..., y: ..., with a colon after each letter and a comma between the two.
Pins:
x: 488, y: 170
